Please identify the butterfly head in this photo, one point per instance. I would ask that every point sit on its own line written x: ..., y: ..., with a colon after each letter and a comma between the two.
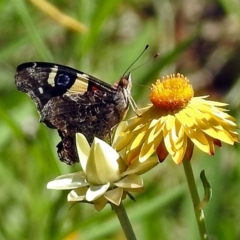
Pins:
x: 125, y: 85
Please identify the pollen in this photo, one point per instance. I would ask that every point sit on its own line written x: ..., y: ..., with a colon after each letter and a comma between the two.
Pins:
x: 172, y: 92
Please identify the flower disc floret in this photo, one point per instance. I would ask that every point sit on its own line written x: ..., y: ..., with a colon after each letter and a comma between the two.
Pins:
x: 172, y: 92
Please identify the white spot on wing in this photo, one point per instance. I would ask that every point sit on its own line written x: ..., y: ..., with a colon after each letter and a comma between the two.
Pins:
x: 52, y: 75
x: 40, y: 90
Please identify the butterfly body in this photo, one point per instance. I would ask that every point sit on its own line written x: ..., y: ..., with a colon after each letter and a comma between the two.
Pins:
x: 71, y: 101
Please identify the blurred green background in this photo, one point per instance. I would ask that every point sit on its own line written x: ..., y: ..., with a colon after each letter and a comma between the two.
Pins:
x: 200, y: 39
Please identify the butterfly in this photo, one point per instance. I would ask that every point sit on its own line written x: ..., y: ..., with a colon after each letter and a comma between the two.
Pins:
x: 72, y: 101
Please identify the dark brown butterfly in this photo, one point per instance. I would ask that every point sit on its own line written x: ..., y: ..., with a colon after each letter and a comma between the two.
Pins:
x: 71, y: 101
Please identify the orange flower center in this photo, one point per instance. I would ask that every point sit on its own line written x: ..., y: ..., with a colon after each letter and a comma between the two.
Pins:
x: 172, y: 92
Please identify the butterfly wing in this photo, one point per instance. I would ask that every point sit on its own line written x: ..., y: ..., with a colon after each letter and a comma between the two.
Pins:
x: 44, y: 81
x: 71, y: 101
x: 93, y: 114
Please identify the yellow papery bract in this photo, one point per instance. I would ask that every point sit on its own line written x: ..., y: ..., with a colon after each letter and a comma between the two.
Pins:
x: 154, y: 132
x: 130, y: 181
x: 114, y: 196
x: 170, y: 122
x: 184, y: 119
x: 168, y: 140
x: 83, y: 150
x: 178, y: 156
x: 100, y: 203
x: 139, y: 168
x: 77, y: 194
x: 153, y: 123
x: 95, y: 191
x: 136, y: 141
x: 102, y: 165
x: 148, y: 147
x: 177, y: 134
x: 198, y: 138
x: 121, y: 142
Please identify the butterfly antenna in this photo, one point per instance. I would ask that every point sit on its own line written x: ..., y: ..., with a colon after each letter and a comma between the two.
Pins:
x: 154, y: 57
x: 146, y: 47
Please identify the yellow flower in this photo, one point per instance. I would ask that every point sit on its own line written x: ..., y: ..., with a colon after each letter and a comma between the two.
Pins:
x: 175, y: 122
x: 105, y: 176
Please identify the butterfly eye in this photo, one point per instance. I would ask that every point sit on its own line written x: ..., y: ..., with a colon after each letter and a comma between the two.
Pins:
x: 62, y: 80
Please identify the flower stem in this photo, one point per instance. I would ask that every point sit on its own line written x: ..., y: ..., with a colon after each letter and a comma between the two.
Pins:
x: 124, y: 221
x: 199, y: 214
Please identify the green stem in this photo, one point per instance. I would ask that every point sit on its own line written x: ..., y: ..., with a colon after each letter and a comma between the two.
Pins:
x: 124, y: 221
x: 199, y: 214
